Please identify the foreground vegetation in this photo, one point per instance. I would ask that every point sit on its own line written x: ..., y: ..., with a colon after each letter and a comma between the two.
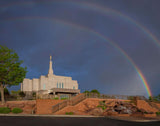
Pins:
x: 17, y: 110
x: 11, y: 72
x: 69, y: 113
x: 6, y: 110
x: 14, y: 95
x: 155, y: 98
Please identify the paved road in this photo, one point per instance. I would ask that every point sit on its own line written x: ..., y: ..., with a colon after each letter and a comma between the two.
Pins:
x: 65, y: 121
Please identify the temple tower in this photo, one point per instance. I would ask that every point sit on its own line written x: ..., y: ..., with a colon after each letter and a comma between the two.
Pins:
x: 50, y: 71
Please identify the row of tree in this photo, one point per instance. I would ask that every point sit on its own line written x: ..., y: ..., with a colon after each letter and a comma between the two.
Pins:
x: 92, y: 91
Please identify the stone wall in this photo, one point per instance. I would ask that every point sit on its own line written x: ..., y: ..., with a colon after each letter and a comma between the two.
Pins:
x: 44, y: 106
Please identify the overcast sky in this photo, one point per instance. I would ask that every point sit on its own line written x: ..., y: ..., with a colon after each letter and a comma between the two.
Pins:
x: 74, y: 32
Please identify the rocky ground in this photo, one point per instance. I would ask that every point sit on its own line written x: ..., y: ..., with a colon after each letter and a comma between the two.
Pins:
x: 119, y: 108
x: 96, y: 107
x: 28, y: 107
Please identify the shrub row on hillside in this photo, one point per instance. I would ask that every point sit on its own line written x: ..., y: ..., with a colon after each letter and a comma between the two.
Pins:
x: 5, y: 110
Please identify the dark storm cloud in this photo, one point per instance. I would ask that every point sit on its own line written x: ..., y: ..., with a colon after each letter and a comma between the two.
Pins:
x: 78, y: 52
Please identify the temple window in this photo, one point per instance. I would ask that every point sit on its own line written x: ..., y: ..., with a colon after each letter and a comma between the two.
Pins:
x: 59, y: 85
x: 44, y: 86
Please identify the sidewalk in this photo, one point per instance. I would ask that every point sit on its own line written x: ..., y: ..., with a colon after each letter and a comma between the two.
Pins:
x: 34, y: 115
x: 134, y: 119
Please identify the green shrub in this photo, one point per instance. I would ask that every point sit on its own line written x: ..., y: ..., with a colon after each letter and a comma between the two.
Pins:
x: 139, y: 110
x: 145, y: 112
x: 17, y: 110
x: 102, y: 103
x: 101, y: 106
x: 56, y: 98
x: 22, y: 94
x: 86, y: 91
x: 15, y: 92
x: 33, y: 94
x: 130, y: 98
x: 127, y: 101
x: 158, y: 113
x: 64, y: 98
x: 69, y: 113
x: 95, y: 91
x: 5, y: 110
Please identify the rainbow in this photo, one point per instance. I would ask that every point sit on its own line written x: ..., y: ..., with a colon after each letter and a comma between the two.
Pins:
x: 140, y: 74
x: 90, y: 6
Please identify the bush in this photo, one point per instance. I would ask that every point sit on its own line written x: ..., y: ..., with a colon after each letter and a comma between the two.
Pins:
x: 86, y: 91
x: 22, y: 94
x: 56, y: 98
x: 95, y: 91
x: 5, y: 110
x: 69, y: 113
x: 103, y: 107
x: 139, y: 110
x: 15, y: 92
x: 158, y: 113
x: 33, y: 94
x: 17, y: 110
x: 130, y: 98
x: 64, y: 98
x: 145, y: 112
x: 102, y: 103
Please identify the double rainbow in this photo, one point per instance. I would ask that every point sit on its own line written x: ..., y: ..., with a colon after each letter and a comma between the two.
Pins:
x: 102, y: 10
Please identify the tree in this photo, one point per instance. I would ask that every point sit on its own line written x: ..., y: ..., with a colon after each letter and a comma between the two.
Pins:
x: 6, y: 92
x: 86, y: 91
x: 11, y: 72
x: 95, y: 91
x: 158, y: 97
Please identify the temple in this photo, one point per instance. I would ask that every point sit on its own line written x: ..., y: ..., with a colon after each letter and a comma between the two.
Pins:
x: 51, y: 84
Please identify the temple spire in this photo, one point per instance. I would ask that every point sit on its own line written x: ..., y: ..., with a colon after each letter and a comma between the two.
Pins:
x: 50, y: 72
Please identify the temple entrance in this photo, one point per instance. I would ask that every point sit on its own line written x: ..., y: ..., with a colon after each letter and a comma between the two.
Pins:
x: 64, y: 96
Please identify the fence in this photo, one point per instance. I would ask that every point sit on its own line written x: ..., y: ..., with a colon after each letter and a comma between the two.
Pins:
x: 59, y: 106
x: 104, y: 96
x: 77, y: 99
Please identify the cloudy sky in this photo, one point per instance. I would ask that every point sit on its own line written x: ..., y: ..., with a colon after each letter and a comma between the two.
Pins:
x: 89, y: 41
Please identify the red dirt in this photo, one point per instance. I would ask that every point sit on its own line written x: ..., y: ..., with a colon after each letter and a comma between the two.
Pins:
x: 44, y: 106
x: 141, y: 104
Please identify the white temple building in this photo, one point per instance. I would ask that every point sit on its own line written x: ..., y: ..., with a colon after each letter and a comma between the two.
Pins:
x: 51, y: 84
